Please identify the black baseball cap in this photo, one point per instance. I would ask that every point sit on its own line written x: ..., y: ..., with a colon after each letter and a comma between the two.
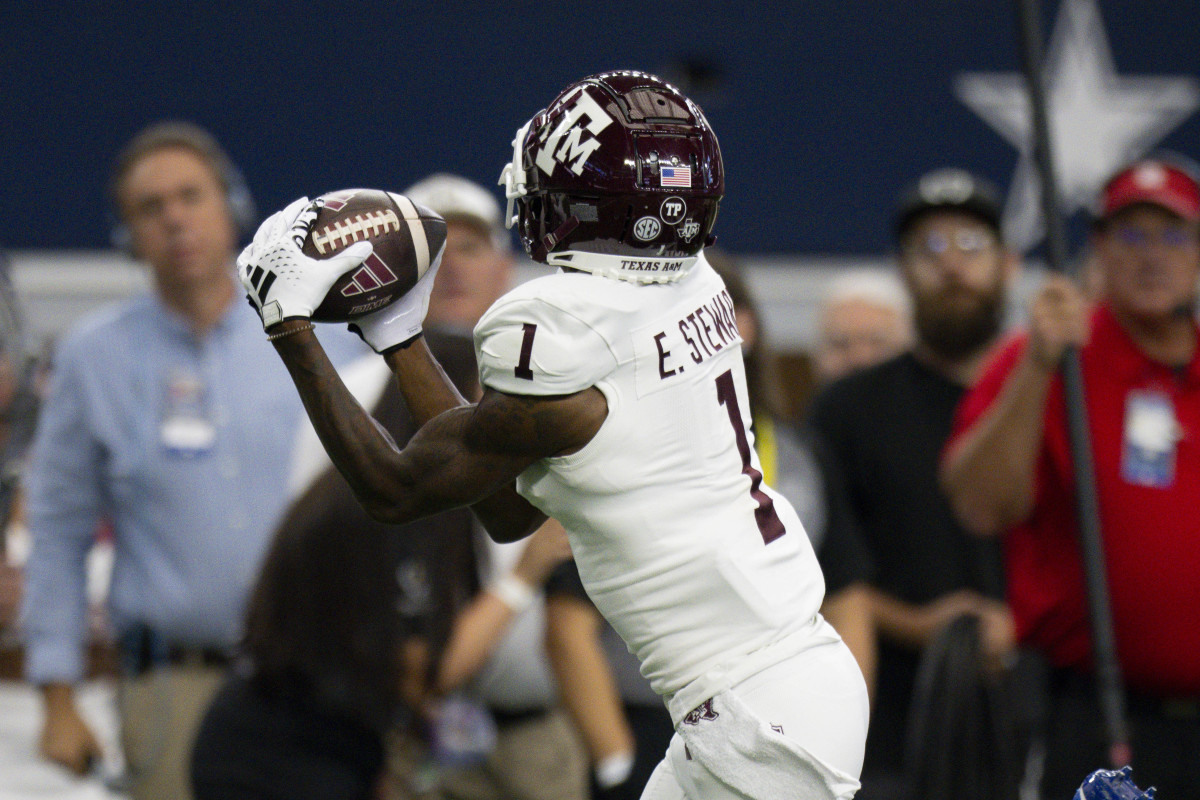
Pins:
x: 948, y: 188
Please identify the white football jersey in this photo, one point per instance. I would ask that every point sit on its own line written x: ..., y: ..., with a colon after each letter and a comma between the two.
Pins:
x: 693, y: 560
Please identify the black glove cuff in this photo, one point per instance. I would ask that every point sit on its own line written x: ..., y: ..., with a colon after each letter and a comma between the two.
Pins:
x: 403, y: 345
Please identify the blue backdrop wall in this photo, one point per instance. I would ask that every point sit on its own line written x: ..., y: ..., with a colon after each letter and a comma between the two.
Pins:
x: 824, y: 108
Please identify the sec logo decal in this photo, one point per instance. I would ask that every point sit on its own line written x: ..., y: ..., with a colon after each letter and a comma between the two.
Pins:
x: 646, y: 228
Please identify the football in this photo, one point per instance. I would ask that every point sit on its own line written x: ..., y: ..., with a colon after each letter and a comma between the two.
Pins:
x: 407, y: 238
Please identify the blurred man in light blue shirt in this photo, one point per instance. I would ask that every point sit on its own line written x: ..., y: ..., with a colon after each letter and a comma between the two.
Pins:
x: 170, y: 417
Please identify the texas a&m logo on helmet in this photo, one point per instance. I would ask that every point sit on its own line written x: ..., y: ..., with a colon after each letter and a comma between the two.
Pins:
x: 569, y: 143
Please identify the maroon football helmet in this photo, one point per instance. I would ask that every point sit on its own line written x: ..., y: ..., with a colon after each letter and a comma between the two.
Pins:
x: 620, y: 176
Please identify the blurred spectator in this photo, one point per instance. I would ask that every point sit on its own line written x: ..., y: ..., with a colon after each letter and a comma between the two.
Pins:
x: 18, y: 415
x: 494, y: 672
x: 1008, y: 470
x: 494, y: 667
x: 477, y: 266
x: 304, y: 712
x: 308, y: 709
x: 10, y: 598
x: 885, y: 427
x: 623, y: 723
x: 170, y: 418
x: 332, y: 699
x: 864, y: 318
x: 1091, y: 273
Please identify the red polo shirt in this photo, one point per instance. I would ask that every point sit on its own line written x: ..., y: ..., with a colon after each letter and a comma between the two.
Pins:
x: 1151, y: 533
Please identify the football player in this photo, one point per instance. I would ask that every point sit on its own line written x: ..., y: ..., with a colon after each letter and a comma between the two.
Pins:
x: 615, y: 401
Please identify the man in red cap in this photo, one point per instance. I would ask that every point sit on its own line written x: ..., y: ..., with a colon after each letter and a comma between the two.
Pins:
x: 1007, y: 470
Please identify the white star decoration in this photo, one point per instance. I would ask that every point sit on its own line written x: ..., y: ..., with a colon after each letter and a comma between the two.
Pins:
x: 1098, y: 120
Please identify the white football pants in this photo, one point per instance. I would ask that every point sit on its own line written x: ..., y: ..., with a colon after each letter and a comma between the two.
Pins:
x: 795, y: 730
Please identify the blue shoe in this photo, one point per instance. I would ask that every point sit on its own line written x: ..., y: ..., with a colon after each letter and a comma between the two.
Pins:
x: 1112, y: 784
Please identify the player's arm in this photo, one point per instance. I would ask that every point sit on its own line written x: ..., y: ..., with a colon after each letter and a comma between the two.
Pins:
x: 428, y: 392
x: 461, y: 455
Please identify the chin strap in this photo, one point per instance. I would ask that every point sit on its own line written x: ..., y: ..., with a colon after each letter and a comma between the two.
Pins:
x: 550, y: 239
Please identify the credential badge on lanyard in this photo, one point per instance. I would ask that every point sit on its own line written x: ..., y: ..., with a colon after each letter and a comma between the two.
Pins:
x: 1151, y: 435
x: 185, y: 429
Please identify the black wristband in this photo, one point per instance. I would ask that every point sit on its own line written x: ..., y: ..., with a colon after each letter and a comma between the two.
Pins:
x: 402, y: 345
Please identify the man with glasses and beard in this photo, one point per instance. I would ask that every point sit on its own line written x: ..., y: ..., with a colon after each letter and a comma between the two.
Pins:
x: 885, y: 427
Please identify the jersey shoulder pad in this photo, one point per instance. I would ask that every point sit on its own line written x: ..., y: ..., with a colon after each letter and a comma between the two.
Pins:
x: 531, y: 341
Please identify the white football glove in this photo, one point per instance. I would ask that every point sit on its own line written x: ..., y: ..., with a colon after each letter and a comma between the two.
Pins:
x: 399, y: 322
x: 283, y: 283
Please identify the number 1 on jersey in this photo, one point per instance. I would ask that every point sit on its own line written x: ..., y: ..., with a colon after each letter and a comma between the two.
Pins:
x: 522, y: 370
x: 769, y: 524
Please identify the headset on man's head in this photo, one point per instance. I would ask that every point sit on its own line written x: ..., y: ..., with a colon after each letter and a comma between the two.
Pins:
x: 162, y: 135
